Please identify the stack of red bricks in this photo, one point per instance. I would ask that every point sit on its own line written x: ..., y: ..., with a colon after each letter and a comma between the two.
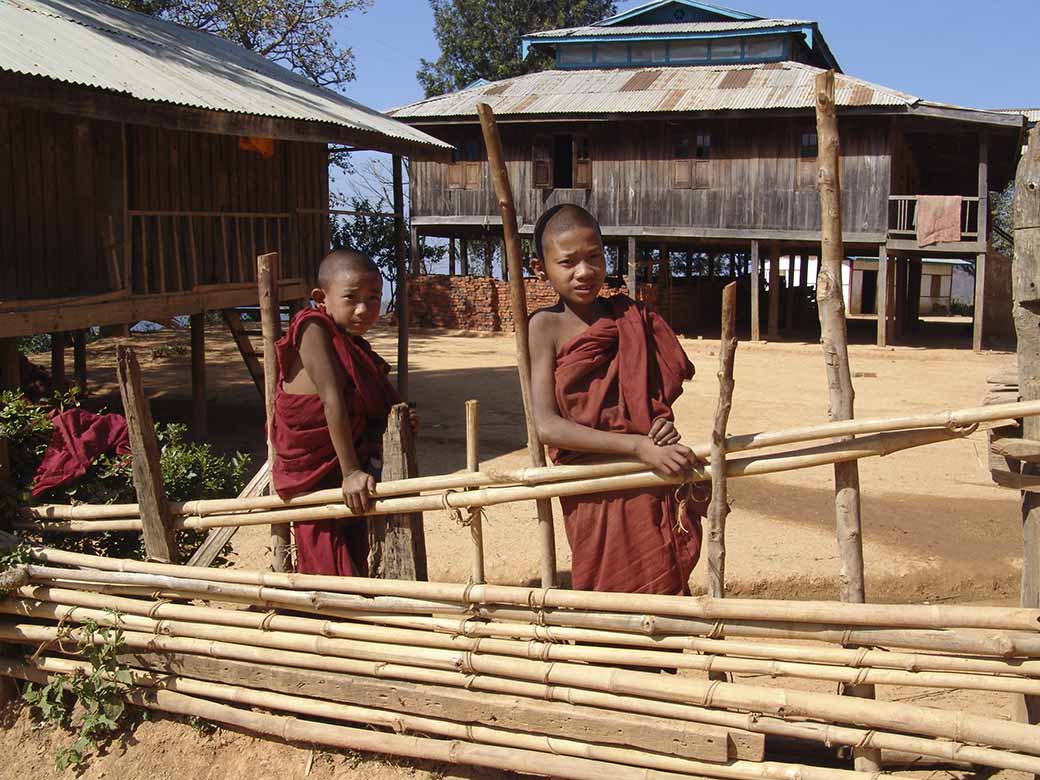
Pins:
x: 473, y: 302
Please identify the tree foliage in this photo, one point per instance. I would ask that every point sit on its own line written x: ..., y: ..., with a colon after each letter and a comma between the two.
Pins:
x: 480, y: 39
x: 293, y: 33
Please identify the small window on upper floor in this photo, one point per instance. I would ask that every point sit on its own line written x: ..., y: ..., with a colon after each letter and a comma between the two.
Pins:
x: 808, y: 145
x: 687, y: 51
x: 561, y: 161
x: 691, y: 164
x: 764, y: 48
x: 612, y: 54
x: 648, y: 52
x: 725, y: 50
x: 465, y: 170
x: 573, y: 54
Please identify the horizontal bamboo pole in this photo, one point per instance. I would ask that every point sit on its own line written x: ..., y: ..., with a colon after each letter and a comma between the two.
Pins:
x: 712, y: 694
x: 869, y: 446
x: 400, y: 722
x: 467, y: 627
x: 952, y: 421
x: 755, y: 722
x: 448, y: 596
x: 446, y: 751
x: 280, y: 631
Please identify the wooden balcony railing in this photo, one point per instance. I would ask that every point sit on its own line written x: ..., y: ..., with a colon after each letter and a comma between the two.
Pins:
x: 902, y: 217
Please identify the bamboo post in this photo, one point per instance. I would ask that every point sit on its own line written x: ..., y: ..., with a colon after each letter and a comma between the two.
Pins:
x: 836, y: 357
x: 401, y: 291
x: 156, y: 518
x: 271, y: 324
x: 198, y: 375
x: 1026, y: 273
x: 476, y: 523
x: 397, y: 542
x: 518, y: 303
x: 719, y: 508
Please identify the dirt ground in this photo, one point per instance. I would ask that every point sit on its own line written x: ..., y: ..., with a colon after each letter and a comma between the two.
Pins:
x: 934, y: 527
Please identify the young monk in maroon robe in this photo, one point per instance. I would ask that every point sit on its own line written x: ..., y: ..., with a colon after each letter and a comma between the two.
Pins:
x: 331, y: 408
x: 605, y: 373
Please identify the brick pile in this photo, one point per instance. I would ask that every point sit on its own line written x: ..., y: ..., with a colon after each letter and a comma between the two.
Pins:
x: 476, y: 303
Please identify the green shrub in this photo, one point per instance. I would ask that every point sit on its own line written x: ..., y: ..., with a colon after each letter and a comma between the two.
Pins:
x: 190, y: 471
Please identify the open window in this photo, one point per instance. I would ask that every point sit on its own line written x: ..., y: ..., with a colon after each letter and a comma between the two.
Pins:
x: 561, y: 161
x: 808, y: 151
x: 465, y: 170
x: 691, y: 159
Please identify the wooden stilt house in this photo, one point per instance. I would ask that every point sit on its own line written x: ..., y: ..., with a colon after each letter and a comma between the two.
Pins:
x: 144, y: 166
x: 689, y: 131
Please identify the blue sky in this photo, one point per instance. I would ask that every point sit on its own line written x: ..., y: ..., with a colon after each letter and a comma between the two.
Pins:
x: 955, y: 51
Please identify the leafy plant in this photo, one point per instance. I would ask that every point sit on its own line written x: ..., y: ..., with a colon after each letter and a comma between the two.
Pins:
x: 100, y: 693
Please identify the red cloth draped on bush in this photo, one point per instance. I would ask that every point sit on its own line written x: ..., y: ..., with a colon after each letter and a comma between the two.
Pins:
x: 619, y: 375
x: 79, y: 437
x: 305, y: 458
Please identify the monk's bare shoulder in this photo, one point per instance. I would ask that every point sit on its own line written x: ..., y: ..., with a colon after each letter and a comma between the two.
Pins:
x: 545, y: 328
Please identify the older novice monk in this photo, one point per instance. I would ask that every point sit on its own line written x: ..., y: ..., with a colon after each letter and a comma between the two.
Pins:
x: 605, y: 373
x: 331, y: 408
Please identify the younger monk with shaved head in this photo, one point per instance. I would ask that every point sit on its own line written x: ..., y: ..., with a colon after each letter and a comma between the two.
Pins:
x: 604, y: 375
x: 331, y: 408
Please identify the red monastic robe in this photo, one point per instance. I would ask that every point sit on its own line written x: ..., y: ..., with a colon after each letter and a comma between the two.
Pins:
x: 305, y: 458
x: 619, y: 375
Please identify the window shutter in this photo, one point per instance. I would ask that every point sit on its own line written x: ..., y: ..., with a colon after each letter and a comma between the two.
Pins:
x: 541, y: 163
x: 701, y: 175
x: 582, y: 173
x: 472, y: 175
x: 806, y: 175
x: 455, y: 176
x: 682, y: 175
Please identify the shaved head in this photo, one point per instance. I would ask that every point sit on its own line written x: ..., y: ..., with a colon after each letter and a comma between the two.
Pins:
x: 560, y: 219
x: 343, y: 261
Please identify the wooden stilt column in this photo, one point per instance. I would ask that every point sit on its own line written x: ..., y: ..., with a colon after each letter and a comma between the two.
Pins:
x: 773, y: 329
x: 416, y: 254
x: 882, y: 296
x: 980, y: 258
x: 464, y: 256
x: 451, y: 257
x: 901, y: 292
x: 79, y: 360
x: 1026, y: 280
x: 633, y: 269
x: 505, y: 265
x: 756, y: 287
x: 489, y: 256
x: 401, y: 292
x: 913, y: 298
x: 197, y: 323
x: 58, y: 359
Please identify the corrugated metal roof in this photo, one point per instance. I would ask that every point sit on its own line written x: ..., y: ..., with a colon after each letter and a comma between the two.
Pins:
x: 786, y: 85
x: 1032, y: 114
x: 672, y: 28
x: 95, y: 45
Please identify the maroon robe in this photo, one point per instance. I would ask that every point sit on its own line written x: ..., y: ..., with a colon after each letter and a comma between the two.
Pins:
x: 305, y: 458
x: 620, y: 375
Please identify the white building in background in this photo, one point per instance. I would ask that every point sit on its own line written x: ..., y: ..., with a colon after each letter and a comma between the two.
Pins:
x: 945, y: 284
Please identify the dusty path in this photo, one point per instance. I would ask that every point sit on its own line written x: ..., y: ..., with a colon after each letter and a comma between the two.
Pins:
x: 934, y: 527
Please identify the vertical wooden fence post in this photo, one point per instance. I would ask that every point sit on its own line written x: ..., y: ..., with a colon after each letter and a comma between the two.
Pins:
x: 156, y: 520
x: 518, y: 303
x: 476, y: 525
x: 397, y: 543
x: 198, y: 375
x: 271, y: 325
x: 834, y: 338
x: 719, y: 507
x: 1026, y: 274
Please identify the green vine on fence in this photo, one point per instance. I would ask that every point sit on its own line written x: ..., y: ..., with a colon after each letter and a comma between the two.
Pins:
x: 100, y: 692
